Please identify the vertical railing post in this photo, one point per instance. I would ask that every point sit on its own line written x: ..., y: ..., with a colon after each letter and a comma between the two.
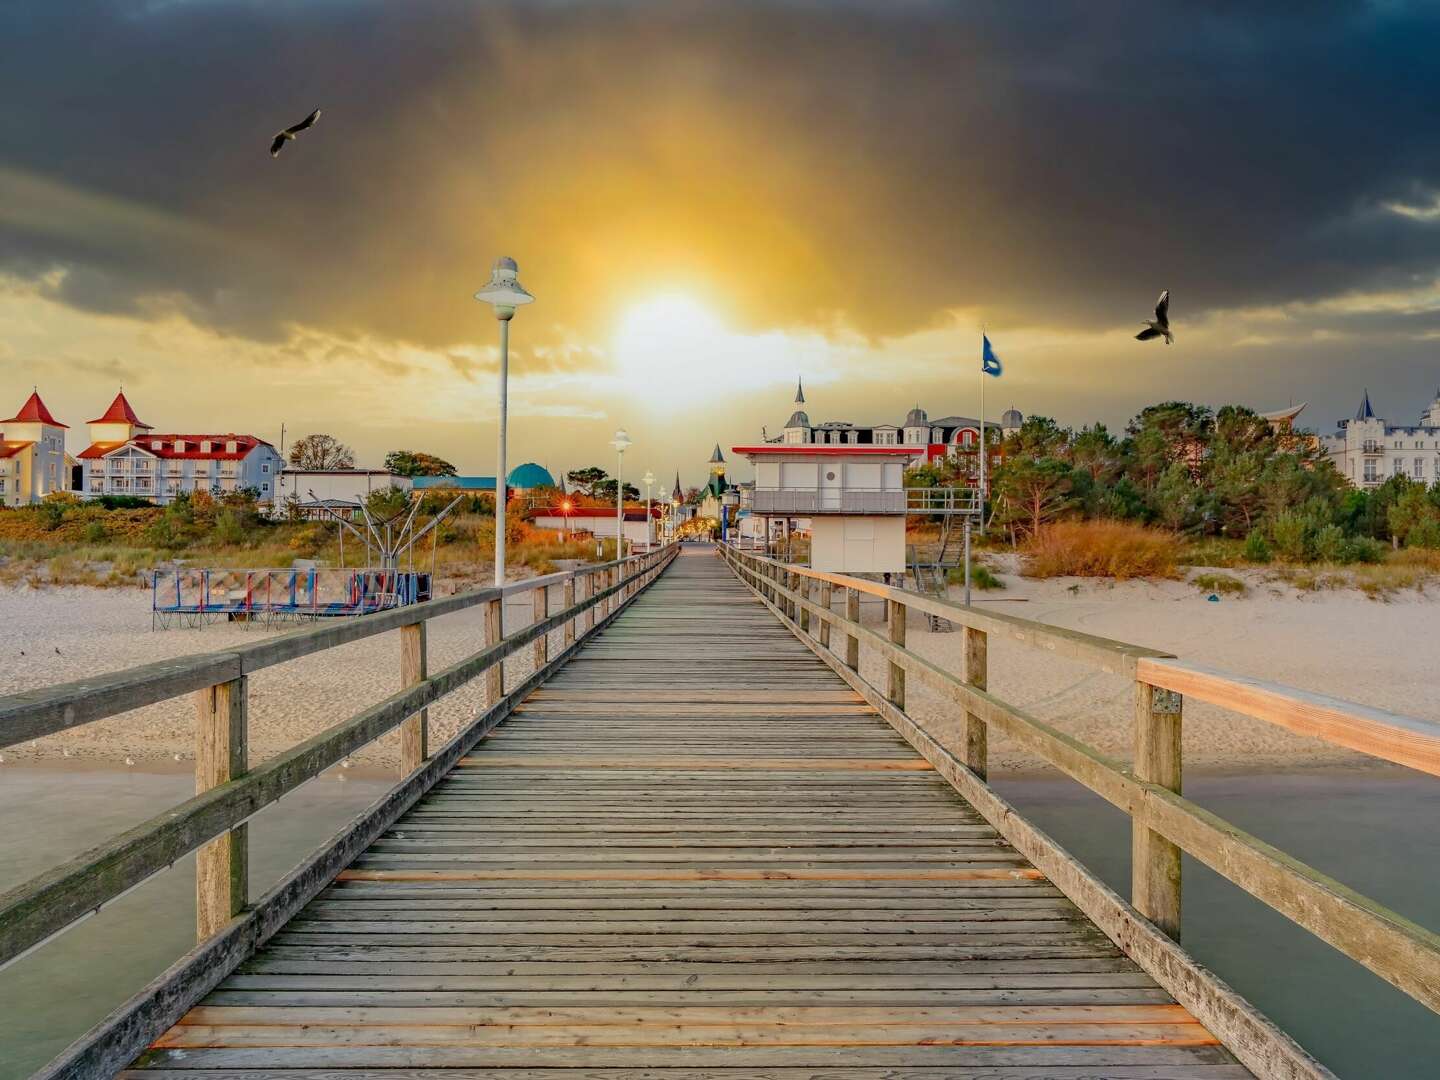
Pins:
x: 977, y: 649
x: 1154, y: 860
x: 825, y: 623
x: 222, y: 865
x: 542, y: 611
x: 567, y: 598
x: 414, y: 731
x: 494, y: 634
x: 895, y: 688
x: 802, y: 586
x: 852, y: 616
x: 590, y: 612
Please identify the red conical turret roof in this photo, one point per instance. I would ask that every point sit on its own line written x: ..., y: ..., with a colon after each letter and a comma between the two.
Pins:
x: 34, y: 412
x: 120, y: 412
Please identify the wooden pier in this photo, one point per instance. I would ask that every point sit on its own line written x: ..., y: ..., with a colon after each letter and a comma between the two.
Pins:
x: 696, y: 842
x: 695, y: 852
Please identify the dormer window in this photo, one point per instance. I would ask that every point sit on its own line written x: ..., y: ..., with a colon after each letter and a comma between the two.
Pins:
x: 180, y: 446
x: 157, y: 444
x: 231, y: 446
x: 205, y: 446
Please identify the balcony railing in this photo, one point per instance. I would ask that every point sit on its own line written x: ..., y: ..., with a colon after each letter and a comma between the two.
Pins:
x: 813, y: 501
x: 1372, y: 447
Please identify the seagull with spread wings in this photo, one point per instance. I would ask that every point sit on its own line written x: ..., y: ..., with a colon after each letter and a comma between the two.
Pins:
x: 1160, y: 325
x: 288, y: 135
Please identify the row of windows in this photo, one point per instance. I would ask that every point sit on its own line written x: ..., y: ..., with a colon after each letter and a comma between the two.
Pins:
x: 1397, y: 468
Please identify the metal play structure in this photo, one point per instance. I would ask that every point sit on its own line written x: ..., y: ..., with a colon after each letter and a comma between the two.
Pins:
x: 188, y: 596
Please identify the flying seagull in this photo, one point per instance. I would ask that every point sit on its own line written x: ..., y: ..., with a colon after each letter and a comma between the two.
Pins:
x: 1160, y: 325
x: 289, y: 133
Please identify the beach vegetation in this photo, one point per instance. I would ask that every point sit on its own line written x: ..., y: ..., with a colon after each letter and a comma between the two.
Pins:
x: 1222, y: 584
x: 1224, y: 483
x: 1113, y: 549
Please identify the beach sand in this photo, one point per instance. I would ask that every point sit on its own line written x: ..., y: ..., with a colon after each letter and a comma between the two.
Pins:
x: 1338, y: 642
x: 75, y: 632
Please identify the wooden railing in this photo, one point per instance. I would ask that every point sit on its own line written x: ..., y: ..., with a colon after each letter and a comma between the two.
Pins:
x: 229, y: 792
x: 1164, y: 823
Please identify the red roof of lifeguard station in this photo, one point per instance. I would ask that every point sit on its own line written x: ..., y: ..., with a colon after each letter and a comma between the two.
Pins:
x: 34, y: 412
x: 120, y: 412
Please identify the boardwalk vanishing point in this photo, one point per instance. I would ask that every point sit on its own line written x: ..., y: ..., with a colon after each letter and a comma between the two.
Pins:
x: 696, y: 852
x: 695, y: 842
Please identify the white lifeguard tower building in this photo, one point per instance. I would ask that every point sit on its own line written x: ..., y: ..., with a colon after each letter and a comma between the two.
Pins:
x: 853, y: 499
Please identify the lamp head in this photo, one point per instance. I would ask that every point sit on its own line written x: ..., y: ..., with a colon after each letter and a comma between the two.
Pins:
x: 621, y: 441
x: 504, y: 293
x: 648, y: 479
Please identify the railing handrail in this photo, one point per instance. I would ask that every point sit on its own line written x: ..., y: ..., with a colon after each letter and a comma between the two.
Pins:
x: 1402, y: 740
x: 32, y: 714
x: 1397, y: 949
x: 36, y: 910
x: 1111, y: 655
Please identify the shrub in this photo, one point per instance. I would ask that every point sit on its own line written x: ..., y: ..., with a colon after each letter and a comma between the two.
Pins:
x: 1291, y: 534
x: 1219, y: 583
x: 981, y: 577
x: 1114, y: 549
x: 1331, y: 545
x: 229, y: 527
x: 1257, y: 548
x: 95, y: 532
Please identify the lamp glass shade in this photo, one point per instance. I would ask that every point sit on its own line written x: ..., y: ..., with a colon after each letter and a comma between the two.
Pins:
x: 504, y: 290
x: 621, y: 441
x: 648, y: 479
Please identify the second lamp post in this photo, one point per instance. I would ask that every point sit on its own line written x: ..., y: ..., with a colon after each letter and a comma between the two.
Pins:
x: 621, y: 443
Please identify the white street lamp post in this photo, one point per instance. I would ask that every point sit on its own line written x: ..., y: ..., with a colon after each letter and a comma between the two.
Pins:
x: 504, y: 294
x: 621, y: 443
x: 649, y: 479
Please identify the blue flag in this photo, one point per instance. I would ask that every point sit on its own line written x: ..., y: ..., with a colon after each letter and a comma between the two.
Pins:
x: 989, y: 362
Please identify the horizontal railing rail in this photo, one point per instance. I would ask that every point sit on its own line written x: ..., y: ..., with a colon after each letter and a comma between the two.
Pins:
x: 229, y: 793
x: 1164, y: 823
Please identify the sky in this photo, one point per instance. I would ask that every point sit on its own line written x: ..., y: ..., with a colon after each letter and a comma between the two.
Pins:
x: 707, y: 201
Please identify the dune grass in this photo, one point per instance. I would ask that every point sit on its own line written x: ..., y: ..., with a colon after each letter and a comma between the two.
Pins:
x: 1112, y: 549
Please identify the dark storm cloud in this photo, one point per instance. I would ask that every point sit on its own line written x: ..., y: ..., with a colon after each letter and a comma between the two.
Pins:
x: 1046, y: 163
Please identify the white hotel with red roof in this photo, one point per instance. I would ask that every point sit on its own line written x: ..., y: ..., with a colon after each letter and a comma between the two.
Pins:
x: 127, y: 457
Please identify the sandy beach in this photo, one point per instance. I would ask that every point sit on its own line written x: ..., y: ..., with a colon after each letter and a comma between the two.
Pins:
x: 1339, y: 642
x: 56, y: 635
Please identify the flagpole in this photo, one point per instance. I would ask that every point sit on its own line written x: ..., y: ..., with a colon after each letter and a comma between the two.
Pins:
x: 982, y: 430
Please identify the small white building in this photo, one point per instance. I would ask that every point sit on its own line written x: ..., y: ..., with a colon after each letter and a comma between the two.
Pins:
x: 343, y: 491
x: 1367, y: 449
x: 853, y: 496
x: 600, y: 523
x: 32, y: 455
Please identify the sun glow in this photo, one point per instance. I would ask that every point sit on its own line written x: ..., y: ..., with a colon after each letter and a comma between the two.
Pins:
x: 672, y: 348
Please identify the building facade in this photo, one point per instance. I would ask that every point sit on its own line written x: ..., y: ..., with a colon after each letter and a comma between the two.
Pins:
x: 1368, y: 450
x: 32, y: 455
x: 127, y: 457
x: 956, y: 438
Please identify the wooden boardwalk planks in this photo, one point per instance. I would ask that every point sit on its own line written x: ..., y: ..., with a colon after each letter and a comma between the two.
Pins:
x: 694, y: 853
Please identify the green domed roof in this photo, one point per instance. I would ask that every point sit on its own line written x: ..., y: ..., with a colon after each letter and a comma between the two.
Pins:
x: 531, y: 475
